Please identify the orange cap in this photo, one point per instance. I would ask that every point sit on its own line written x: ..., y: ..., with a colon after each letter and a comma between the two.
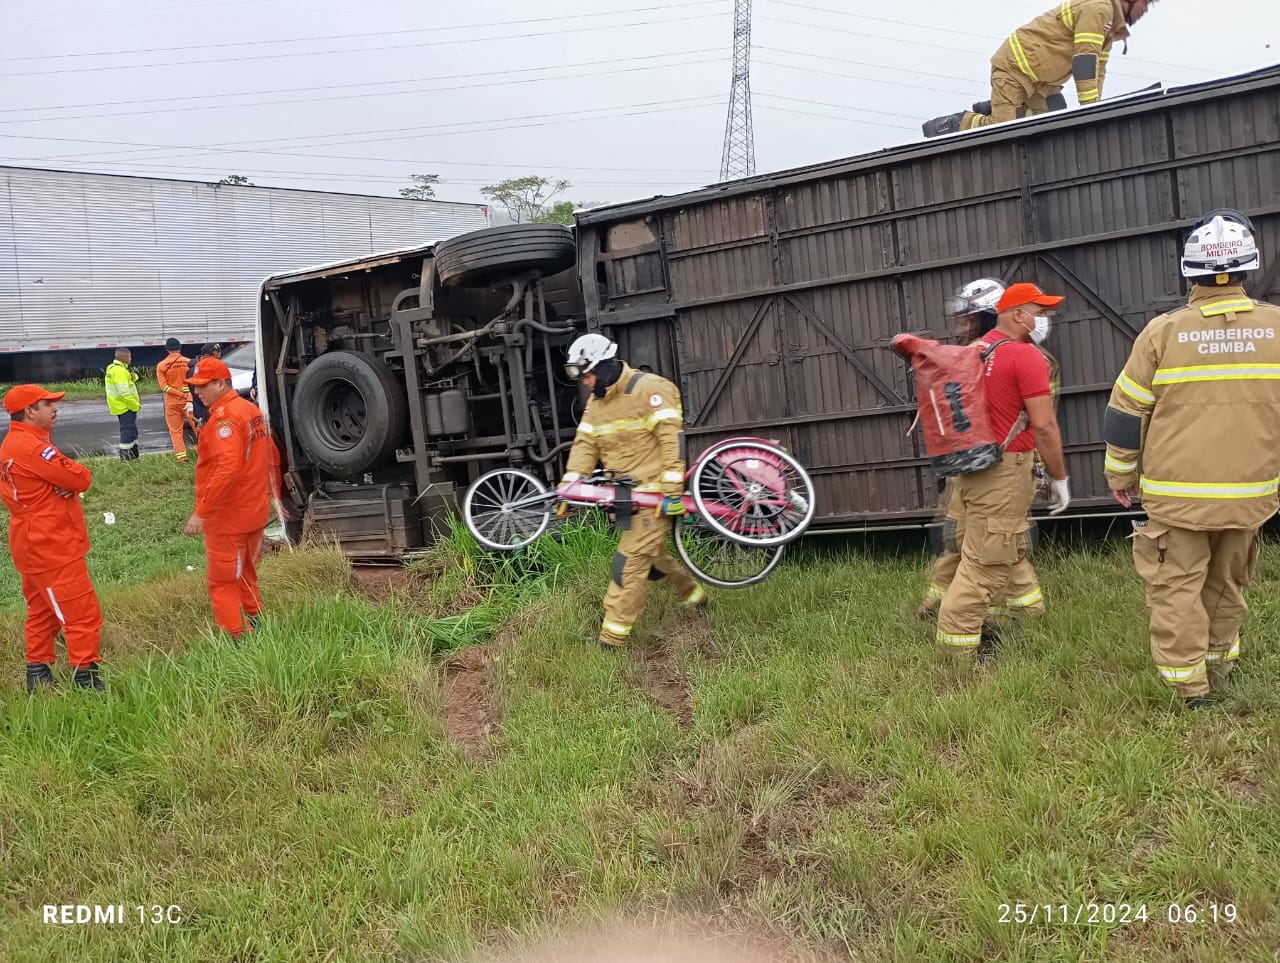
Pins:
x: 209, y: 369
x: 1022, y: 293
x: 24, y: 396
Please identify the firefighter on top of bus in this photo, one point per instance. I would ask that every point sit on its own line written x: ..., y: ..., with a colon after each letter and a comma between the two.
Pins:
x: 632, y: 425
x: 1193, y: 428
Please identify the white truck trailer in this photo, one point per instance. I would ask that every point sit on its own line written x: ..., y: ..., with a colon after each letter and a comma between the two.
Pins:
x: 89, y: 262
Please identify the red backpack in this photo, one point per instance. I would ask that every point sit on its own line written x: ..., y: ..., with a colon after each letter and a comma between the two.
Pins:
x: 951, y: 393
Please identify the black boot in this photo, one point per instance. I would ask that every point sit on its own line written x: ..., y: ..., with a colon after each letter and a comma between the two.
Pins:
x: 134, y: 453
x: 947, y: 124
x: 989, y: 642
x: 255, y: 621
x: 124, y: 454
x: 40, y: 676
x: 87, y: 677
x: 1204, y: 701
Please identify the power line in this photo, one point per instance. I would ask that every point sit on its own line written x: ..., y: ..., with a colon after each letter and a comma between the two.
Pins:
x: 350, y: 86
x: 836, y: 73
x: 112, y: 11
x: 351, y: 50
x: 377, y: 33
x: 962, y: 33
x: 853, y: 120
x: 380, y: 178
x: 399, y: 133
x: 810, y: 113
x: 379, y: 94
x: 895, y: 69
x: 914, y: 43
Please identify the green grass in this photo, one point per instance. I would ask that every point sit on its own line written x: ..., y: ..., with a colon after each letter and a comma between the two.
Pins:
x: 151, y: 499
x: 92, y: 387
x: 839, y: 787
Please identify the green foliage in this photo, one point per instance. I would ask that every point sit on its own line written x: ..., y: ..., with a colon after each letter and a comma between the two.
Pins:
x: 525, y: 199
x: 423, y: 187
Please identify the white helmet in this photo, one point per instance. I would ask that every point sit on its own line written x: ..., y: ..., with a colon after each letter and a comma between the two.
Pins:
x: 980, y: 295
x: 1222, y: 243
x: 586, y: 352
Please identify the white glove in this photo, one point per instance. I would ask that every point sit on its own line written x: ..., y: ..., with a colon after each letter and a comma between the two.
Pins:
x: 1059, y: 496
x: 191, y: 407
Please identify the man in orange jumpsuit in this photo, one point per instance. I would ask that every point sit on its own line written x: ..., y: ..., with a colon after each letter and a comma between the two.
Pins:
x: 233, y: 500
x: 48, y: 539
x: 172, y: 375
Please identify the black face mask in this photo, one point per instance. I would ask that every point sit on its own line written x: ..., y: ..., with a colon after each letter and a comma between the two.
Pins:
x: 607, y: 372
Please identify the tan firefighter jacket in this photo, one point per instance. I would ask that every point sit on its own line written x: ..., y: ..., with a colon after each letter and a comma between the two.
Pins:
x: 634, y: 430
x: 1073, y: 40
x: 1194, y: 418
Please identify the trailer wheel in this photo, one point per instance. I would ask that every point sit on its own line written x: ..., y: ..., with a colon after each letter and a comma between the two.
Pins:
x: 349, y: 412
x: 482, y: 258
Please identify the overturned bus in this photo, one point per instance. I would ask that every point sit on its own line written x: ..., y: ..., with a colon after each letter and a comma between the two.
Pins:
x: 395, y: 381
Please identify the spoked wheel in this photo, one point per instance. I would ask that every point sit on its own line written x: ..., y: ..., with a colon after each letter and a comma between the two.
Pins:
x: 720, y: 562
x: 507, y: 509
x: 753, y: 493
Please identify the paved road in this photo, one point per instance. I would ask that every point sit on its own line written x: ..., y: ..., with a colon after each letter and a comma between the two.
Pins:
x: 85, y: 427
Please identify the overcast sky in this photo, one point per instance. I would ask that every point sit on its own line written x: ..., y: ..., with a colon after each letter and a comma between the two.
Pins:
x: 623, y: 100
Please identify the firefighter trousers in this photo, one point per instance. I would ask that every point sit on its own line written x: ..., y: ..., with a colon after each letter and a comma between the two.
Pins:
x: 994, y: 504
x: 233, y: 577
x: 1195, y: 584
x: 62, y: 599
x: 642, y: 557
x: 1012, y: 96
x: 175, y: 417
x: 1022, y: 594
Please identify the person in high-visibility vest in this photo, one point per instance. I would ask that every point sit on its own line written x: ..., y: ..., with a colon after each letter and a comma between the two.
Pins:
x: 123, y: 401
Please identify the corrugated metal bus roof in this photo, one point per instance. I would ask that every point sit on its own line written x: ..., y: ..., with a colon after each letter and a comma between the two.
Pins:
x: 1134, y: 103
x: 91, y: 260
x: 772, y: 301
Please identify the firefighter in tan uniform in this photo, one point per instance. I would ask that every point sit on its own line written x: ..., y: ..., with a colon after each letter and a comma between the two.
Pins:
x: 632, y: 425
x: 1193, y: 429
x: 973, y: 309
x: 995, y: 501
x: 1070, y: 42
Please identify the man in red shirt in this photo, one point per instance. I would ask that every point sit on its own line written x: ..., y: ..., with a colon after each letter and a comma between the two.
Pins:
x: 48, y: 539
x: 995, y: 502
x: 233, y: 501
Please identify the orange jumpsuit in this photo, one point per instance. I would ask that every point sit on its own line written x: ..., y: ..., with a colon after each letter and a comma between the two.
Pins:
x: 172, y: 375
x: 48, y: 539
x: 233, y: 497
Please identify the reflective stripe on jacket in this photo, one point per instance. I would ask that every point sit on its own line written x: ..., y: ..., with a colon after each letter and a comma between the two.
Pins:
x: 634, y: 430
x: 1202, y: 389
x: 1073, y: 39
x: 122, y: 389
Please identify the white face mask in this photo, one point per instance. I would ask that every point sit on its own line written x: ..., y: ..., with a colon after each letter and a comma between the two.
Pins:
x: 1041, y: 330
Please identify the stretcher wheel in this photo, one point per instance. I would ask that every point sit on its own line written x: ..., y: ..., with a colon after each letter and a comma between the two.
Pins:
x: 506, y: 509
x: 717, y: 561
x: 753, y: 493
